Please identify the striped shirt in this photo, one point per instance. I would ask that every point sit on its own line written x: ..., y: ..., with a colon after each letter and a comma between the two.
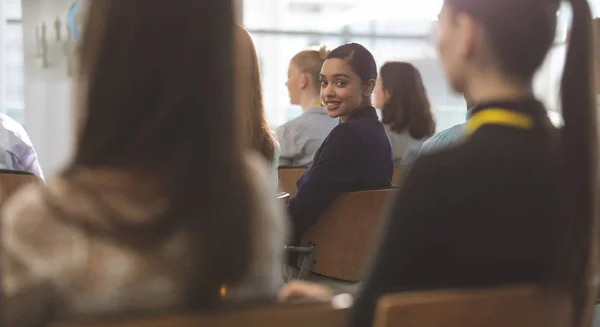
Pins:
x: 300, y: 138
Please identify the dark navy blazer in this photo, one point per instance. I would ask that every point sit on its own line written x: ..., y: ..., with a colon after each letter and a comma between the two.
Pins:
x: 356, y: 155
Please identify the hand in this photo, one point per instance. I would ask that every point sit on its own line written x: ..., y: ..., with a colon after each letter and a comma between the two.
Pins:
x: 298, y: 290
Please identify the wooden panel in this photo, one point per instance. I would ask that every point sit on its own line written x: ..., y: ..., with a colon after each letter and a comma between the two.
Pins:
x: 10, y: 182
x: 518, y: 306
x: 297, y: 315
x: 346, y: 232
x: 288, y: 178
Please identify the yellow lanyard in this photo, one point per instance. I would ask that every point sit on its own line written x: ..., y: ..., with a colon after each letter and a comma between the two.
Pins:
x: 497, y: 116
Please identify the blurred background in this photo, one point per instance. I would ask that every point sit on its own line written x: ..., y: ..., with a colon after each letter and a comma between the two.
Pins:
x: 37, y: 93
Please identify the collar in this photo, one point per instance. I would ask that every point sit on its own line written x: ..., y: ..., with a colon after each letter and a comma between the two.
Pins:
x: 315, y: 110
x: 528, y: 105
x: 366, y: 112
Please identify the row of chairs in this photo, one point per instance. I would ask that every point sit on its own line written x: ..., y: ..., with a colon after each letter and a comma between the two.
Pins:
x: 357, y: 215
x: 517, y: 306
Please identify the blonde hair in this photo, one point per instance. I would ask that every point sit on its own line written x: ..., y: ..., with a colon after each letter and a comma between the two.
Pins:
x: 249, y: 97
x: 310, y: 62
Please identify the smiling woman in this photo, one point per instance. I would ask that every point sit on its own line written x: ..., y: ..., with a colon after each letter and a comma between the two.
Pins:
x: 357, y: 154
x: 347, y: 80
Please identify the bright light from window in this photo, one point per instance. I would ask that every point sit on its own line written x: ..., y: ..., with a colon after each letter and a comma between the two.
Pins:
x: 394, y: 10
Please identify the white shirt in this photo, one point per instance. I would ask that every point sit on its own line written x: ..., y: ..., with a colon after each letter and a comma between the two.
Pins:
x: 16, y: 149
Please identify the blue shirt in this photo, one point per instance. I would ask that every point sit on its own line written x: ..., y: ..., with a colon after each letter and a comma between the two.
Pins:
x: 356, y: 155
x: 443, y: 139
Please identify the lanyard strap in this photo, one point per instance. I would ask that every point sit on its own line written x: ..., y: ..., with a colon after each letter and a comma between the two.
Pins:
x: 497, y: 116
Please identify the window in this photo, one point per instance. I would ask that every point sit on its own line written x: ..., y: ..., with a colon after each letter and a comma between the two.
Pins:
x: 390, y: 29
x: 281, y: 28
x: 13, y: 61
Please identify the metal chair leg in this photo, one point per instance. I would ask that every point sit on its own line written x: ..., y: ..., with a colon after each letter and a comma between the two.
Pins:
x: 309, y: 253
x: 307, y: 264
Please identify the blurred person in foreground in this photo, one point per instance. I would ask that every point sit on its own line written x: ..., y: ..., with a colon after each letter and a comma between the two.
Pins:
x: 143, y: 220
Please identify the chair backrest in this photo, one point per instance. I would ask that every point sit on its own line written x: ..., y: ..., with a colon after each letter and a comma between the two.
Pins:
x: 515, y: 306
x: 11, y: 181
x: 398, y: 175
x: 345, y: 234
x: 288, y: 178
x: 296, y: 315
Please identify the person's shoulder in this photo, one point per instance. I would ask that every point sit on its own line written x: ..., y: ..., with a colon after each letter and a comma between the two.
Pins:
x: 27, y: 203
x: 30, y: 224
x: 291, y: 129
x: 283, y: 128
x: 443, y: 139
x: 450, y: 134
x: 292, y: 124
x: 15, y: 128
x: 342, y: 133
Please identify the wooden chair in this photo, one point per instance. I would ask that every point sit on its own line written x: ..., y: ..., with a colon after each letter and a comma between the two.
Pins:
x: 288, y: 178
x: 344, y: 236
x: 517, y: 306
x: 11, y: 181
x: 398, y: 175
x: 296, y: 315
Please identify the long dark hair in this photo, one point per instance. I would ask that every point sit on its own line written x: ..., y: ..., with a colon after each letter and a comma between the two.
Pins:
x: 520, y: 47
x: 157, y: 106
x: 249, y: 96
x: 408, y: 107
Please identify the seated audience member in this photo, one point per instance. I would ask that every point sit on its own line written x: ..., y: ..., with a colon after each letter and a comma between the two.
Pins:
x: 405, y: 109
x: 516, y: 201
x: 16, y: 149
x: 447, y: 137
x: 250, y: 102
x: 300, y: 138
x: 143, y: 220
x: 357, y: 154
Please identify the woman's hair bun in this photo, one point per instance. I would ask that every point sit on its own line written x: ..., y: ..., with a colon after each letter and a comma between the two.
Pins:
x: 323, y: 52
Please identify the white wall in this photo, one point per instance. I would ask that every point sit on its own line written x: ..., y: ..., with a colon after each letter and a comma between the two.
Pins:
x: 48, y: 111
x: 2, y: 55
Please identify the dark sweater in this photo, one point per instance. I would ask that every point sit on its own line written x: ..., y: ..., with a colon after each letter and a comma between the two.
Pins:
x: 482, y: 213
x: 356, y: 155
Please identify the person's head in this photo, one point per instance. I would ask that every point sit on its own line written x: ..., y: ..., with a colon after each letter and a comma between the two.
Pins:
x: 473, y: 37
x: 249, y: 96
x: 303, y: 75
x: 510, y: 39
x: 348, y: 78
x: 156, y: 79
x: 402, y: 98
